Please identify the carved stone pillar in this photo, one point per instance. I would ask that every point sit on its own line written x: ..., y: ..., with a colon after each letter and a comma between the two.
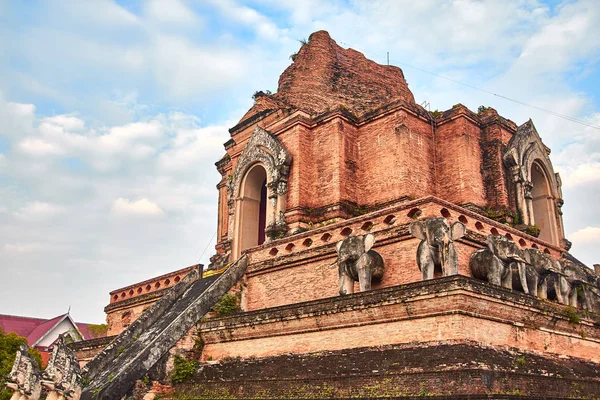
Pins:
x: 527, y: 188
x: 517, y: 180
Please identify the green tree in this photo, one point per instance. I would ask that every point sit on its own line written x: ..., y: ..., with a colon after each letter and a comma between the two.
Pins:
x: 9, y: 344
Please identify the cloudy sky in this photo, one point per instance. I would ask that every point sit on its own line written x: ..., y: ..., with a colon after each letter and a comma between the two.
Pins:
x: 112, y: 115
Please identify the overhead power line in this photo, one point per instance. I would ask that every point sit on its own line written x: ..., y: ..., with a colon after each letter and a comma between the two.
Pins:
x: 206, y: 248
x: 567, y: 117
x: 554, y: 113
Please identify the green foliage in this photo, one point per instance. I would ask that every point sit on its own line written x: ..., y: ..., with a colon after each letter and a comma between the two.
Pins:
x: 533, y: 230
x: 482, y: 108
x: 436, y: 113
x: 572, y: 315
x: 294, y: 55
x: 423, y: 392
x: 9, y: 344
x: 227, y: 305
x: 183, y: 369
x: 260, y: 93
x: 516, y: 219
x: 520, y: 362
x: 98, y: 330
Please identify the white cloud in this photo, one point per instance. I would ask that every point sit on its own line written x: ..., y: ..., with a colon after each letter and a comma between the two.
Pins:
x: 105, y: 13
x: 22, y: 247
x: 586, y: 242
x: 67, y: 122
x: 172, y: 12
x: 197, y: 70
x: 39, y: 147
x: 263, y: 26
x: 583, y: 174
x: 586, y: 235
x: 124, y: 207
x: 39, y: 211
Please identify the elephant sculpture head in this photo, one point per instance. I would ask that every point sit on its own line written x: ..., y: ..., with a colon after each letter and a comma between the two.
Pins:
x: 358, y: 263
x: 539, y: 271
x: 496, y: 262
x: 436, y: 250
x: 577, y: 284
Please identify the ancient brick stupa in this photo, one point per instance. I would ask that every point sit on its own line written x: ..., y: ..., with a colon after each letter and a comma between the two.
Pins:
x: 368, y: 248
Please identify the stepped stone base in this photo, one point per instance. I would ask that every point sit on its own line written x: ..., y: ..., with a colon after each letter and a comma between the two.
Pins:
x: 448, y: 370
x: 452, y: 308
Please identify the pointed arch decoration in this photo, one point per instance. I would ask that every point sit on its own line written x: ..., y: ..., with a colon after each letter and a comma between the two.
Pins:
x: 527, y: 159
x: 264, y: 149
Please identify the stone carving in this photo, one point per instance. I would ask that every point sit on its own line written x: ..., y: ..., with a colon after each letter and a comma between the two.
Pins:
x: 576, y: 284
x: 538, y: 269
x: 496, y: 262
x: 524, y: 149
x: 24, y: 378
x: 267, y: 150
x: 358, y: 263
x: 62, y: 376
x: 436, y: 249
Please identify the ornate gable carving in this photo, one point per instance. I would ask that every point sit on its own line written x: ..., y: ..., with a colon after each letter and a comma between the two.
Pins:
x: 524, y: 148
x: 267, y: 150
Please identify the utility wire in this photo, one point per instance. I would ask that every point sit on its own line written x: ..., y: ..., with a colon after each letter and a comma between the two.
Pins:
x: 567, y: 117
x: 206, y: 248
x: 572, y: 119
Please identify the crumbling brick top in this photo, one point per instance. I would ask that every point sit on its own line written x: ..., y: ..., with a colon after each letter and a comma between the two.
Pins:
x: 325, y: 76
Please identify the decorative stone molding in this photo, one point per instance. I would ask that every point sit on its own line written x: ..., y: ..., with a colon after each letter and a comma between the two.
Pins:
x: 524, y: 150
x: 265, y: 149
x: 24, y: 378
x: 62, y: 376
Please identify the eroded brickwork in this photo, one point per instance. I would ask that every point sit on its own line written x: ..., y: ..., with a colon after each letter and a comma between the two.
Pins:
x: 359, y: 142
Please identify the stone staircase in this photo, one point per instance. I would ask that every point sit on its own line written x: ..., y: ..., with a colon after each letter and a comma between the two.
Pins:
x: 113, y: 372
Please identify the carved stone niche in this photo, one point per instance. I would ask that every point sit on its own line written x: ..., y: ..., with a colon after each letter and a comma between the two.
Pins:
x: 267, y: 151
x: 537, y: 188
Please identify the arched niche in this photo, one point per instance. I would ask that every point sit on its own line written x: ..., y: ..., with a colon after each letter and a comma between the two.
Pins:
x: 537, y: 189
x: 264, y: 160
x: 542, y: 203
x: 252, y: 204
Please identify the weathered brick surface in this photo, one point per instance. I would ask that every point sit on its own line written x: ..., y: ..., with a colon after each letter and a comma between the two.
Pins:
x: 85, y: 350
x: 128, y: 303
x: 324, y: 75
x: 305, y: 273
x: 454, y: 308
x: 458, y: 162
x: 448, y: 370
x: 359, y: 142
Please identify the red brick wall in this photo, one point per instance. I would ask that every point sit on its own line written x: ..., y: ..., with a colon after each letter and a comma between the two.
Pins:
x: 458, y: 162
x: 396, y: 158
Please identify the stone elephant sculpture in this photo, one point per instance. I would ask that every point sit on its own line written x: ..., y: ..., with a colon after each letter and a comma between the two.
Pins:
x: 575, y: 284
x: 538, y: 268
x: 358, y: 263
x: 496, y: 262
x: 436, y: 250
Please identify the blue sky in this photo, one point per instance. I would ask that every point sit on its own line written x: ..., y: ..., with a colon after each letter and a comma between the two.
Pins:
x: 112, y: 115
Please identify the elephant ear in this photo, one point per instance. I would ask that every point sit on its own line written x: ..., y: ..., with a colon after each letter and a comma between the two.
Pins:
x: 527, y: 256
x: 458, y: 230
x: 369, y: 241
x: 338, y: 245
x: 418, y: 230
